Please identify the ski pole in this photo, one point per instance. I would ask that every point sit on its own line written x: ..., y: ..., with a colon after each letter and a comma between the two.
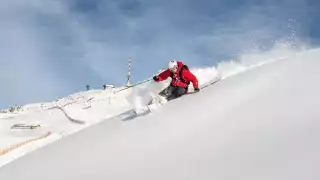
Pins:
x: 142, y: 82
x: 134, y: 85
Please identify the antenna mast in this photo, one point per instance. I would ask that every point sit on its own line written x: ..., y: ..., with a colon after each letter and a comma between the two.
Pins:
x: 129, y: 73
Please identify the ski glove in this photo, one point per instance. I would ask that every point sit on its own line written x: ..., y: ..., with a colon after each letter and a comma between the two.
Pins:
x: 196, y: 89
x: 156, y: 78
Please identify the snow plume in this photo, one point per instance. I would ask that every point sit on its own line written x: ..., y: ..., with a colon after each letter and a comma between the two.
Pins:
x: 257, y: 58
x: 205, y: 75
x: 143, y: 94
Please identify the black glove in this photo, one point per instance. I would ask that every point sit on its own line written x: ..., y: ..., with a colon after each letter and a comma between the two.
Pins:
x: 155, y: 78
x: 196, y: 89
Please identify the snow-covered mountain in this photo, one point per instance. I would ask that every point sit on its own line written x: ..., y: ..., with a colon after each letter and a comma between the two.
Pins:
x: 262, y: 123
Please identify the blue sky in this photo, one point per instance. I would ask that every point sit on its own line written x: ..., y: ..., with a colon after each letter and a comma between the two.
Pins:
x: 51, y: 48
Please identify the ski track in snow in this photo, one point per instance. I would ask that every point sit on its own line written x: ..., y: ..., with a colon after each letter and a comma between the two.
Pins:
x: 84, y: 109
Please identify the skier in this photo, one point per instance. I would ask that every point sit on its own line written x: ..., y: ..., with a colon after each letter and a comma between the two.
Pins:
x: 181, y: 78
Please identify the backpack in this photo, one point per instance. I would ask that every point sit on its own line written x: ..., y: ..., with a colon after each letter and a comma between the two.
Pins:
x: 180, y: 74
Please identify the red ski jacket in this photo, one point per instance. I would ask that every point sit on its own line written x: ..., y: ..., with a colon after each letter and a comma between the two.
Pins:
x: 181, y: 78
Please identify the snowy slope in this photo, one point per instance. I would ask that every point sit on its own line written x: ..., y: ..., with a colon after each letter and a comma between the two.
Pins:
x: 59, y: 118
x: 260, y: 124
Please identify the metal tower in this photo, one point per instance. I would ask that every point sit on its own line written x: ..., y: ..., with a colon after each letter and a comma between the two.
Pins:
x: 129, y: 73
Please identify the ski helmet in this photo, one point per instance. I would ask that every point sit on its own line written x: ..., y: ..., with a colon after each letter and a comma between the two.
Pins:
x: 173, y: 65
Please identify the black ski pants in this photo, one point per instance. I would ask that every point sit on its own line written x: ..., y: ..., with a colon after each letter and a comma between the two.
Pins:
x: 175, y: 92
